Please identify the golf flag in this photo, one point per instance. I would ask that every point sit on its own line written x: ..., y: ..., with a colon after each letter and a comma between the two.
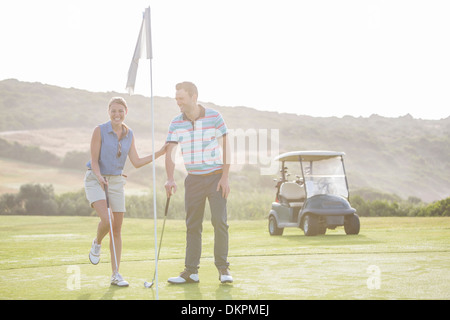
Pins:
x: 143, y: 50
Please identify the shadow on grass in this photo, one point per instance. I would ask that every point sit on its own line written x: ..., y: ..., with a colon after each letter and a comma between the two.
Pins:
x: 224, y: 291
x: 193, y: 291
x: 109, y: 294
x: 331, y: 239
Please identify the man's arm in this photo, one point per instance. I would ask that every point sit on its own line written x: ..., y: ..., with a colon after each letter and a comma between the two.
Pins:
x: 223, y: 182
x: 171, y: 186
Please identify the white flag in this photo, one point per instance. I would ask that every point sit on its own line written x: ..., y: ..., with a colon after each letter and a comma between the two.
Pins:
x: 143, y: 50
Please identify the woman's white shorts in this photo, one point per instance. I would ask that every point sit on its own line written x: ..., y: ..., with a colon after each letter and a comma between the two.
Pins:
x: 116, y: 194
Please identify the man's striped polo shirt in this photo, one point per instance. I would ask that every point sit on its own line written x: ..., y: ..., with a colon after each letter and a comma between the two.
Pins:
x: 198, y: 140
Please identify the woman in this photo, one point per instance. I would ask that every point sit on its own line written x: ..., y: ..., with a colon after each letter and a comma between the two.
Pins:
x: 111, y: 143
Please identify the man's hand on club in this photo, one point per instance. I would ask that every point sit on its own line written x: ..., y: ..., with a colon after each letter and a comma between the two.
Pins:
x: 171, y: 187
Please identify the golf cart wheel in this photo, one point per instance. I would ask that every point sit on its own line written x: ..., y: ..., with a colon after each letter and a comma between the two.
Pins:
x: 321, y: 230
x: 310, y: 225
x: 351, y: 224
x: 273, y: 227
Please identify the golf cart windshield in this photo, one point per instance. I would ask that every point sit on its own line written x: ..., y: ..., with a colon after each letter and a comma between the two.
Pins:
x: 326, y: 176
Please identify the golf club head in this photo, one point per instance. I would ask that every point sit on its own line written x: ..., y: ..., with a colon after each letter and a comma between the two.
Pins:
x: 148, y: 284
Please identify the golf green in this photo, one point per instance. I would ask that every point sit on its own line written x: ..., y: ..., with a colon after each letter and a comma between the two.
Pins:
x: 392, y: 258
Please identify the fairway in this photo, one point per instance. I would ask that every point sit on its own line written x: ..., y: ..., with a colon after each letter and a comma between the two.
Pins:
x: 392, y: 258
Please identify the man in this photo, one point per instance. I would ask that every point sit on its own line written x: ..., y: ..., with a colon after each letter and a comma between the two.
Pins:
x: 198, y: 130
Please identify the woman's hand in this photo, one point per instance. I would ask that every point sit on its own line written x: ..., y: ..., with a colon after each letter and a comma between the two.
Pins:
x: 102, y: 180
x: 161, y: 151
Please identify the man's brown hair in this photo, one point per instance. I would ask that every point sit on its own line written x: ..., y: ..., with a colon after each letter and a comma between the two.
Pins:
x: 187, y: 86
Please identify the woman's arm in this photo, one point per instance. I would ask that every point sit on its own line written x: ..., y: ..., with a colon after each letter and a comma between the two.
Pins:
x: 140, y: 162
x: 96, y: 142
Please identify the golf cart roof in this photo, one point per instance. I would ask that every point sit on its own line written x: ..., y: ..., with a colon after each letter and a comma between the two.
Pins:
x: 314, y: 155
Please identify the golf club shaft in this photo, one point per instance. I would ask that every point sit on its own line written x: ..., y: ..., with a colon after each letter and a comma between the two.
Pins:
x: 162, y: 233
x: 111, y: 228
x: 164, y: 224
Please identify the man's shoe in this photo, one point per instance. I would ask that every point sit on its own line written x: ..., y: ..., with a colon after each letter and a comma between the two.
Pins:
x: 117, y: 280
x: 185, y: 277
x: 94, y: 254
x: 225, y: 275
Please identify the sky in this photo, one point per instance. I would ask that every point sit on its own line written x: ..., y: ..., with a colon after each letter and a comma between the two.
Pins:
x: 321, y: 58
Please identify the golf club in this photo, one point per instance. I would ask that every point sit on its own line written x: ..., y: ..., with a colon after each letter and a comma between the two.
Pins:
x: 110, y: 226
x: 150, y: 284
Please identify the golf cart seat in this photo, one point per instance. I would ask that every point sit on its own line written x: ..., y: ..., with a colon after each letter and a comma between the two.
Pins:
x: 292, y: 195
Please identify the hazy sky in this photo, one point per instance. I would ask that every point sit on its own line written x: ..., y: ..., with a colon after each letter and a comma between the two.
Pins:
x: 320, y: 58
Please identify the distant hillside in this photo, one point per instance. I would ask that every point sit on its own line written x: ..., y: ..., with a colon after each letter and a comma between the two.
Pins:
x: 406, y: 156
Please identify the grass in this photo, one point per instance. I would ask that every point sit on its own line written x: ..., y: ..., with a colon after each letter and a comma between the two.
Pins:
x: 41, y: 256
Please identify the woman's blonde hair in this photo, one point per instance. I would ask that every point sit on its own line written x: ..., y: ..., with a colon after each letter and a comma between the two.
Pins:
x: 118, y: 100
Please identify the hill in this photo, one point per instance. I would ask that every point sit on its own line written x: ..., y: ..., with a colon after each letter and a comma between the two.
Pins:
x: 405, y: 156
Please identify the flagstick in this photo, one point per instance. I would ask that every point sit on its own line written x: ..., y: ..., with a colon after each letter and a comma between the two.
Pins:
x: 154, y: 181
x: 146, y: 47
x: 149, y: 53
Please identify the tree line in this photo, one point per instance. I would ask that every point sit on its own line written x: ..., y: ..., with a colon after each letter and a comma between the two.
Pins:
x: 37, y: 199
x: 34, y: 154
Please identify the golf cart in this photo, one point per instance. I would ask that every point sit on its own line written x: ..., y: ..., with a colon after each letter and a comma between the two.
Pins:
x: 317, y: 198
